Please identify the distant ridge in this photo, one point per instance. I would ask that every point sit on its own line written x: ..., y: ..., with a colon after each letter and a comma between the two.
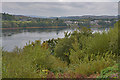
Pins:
x: 86, y: 17
x: 71, y: 17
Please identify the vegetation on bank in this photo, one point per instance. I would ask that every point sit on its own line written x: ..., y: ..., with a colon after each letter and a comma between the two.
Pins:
x: 20, y: 21
x: 12, y: 21
x: 80, y: 54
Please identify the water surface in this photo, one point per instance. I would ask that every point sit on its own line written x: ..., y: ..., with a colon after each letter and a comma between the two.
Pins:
x: 12, y: 38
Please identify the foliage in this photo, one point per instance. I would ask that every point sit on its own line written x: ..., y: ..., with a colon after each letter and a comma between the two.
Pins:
x: 90, y: 64
x: 13, y: 21
x: 77, y: 55
x: 21, y: 21
x: 30, y: 62
x: 109, y: 72
x: 62, y: 49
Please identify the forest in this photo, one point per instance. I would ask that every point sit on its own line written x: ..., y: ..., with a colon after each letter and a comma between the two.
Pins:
x: 80, y: 54
x: 21, y: 21
x: 12, y: 21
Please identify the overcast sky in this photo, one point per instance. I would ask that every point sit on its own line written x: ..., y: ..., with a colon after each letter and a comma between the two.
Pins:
x: 61, y: 8
x: 59, y: 0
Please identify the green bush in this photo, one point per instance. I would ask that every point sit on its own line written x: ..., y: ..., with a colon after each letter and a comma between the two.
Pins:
x: 79, y: 53
x: 91, y: 64
x: 109, y: 72
x: 62, y: 49
x: 30, y: 62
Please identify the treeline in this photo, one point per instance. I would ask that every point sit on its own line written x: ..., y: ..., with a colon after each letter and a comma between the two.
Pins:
x: 80, y: 54
x: 45, y: 23
x: 8, y: 17
x: 11, y: 21
x: 107, y: 25
x: 15, y: 21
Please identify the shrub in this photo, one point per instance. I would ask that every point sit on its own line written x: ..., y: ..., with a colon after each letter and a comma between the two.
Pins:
x: 30, y: 62
x: 90, y: 64
x: 109, y: 72
x: 63, y: 46
x: 78, y: 54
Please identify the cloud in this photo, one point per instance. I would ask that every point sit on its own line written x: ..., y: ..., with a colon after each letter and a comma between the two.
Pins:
x: 60, y: 0
x: 61, y: 8
x: 0, y: 7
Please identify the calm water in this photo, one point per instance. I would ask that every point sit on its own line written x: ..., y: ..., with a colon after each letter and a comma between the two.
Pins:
x: 19, y: 38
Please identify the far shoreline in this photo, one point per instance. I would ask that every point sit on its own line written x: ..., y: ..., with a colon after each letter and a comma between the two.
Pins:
x: 50, y: 27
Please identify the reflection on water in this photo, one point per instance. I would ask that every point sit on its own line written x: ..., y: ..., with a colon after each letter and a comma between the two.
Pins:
x: 12, y: 38
x: 17, y: 31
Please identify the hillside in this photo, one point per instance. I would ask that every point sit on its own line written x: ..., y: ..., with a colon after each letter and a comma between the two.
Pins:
x: 20, y: 21
x: 13, y: 21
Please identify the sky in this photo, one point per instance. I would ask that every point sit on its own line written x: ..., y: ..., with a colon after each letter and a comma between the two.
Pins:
x: 59, y: 0
x: 61, y: 7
